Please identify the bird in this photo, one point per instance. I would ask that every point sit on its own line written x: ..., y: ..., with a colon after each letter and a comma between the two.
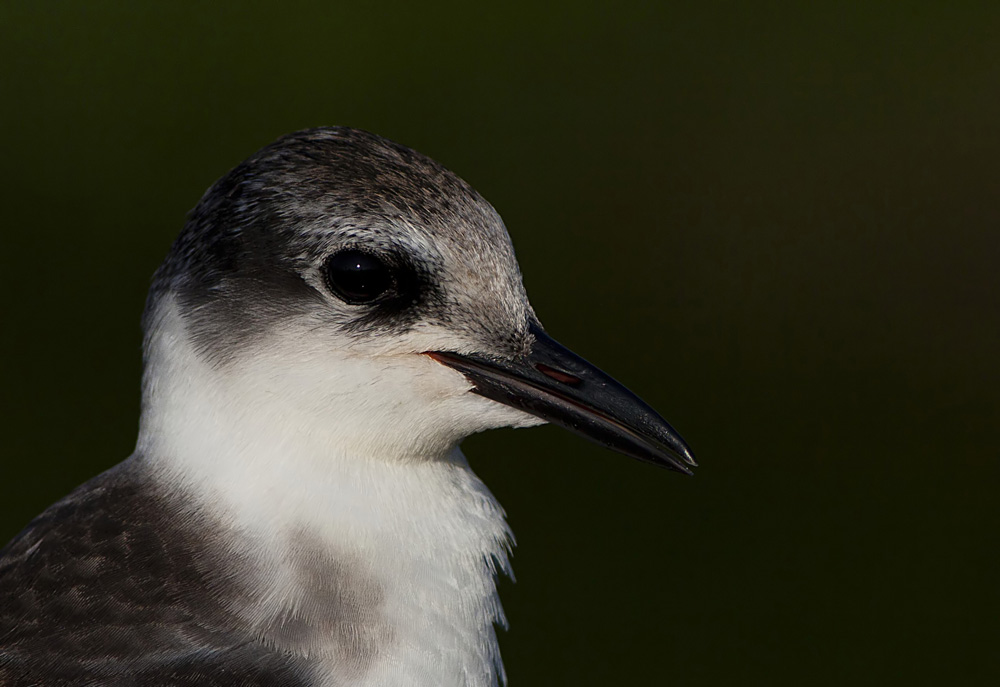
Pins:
x: 337, y: 314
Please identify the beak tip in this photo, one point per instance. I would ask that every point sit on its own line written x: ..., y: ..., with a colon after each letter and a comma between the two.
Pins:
x: 689, y: 459
x: 678, y: 453
x: 684, y: 464
x: 678, y: 457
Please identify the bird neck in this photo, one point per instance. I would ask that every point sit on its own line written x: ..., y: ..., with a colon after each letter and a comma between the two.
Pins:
x: 379, y: 568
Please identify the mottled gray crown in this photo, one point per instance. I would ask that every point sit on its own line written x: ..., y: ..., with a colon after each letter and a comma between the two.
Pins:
x: 249, y: 253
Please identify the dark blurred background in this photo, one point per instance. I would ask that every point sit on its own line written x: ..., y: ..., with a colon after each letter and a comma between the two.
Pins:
x: 777, y: 224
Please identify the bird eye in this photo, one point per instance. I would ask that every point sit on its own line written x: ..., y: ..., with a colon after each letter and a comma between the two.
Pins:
x: 358, y: 277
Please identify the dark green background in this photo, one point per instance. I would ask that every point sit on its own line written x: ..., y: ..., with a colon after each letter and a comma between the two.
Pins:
x: 778, y: 225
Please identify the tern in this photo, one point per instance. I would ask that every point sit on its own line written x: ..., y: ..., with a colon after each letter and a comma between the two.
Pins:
x: 337, y: 315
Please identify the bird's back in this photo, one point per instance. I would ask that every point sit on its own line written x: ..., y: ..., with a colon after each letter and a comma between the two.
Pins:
x: 118, y: 584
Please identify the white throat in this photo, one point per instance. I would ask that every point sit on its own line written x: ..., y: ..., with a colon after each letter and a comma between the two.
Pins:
x: 371, y: 545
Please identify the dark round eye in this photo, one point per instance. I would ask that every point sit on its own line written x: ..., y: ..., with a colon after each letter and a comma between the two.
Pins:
x: 358, y: 277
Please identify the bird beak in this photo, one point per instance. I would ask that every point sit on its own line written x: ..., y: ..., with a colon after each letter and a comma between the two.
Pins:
x: 555, y: 384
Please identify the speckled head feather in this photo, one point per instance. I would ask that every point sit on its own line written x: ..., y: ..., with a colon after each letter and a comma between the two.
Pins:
x: 250, y: 256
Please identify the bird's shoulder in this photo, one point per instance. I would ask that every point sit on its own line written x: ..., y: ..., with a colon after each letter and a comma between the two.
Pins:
x: 118, y: 583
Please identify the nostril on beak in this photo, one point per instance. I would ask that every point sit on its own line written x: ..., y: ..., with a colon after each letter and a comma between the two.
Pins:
x: 559, y: 376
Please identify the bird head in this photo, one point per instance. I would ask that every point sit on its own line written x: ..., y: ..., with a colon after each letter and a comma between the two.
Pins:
x: 374, y: 297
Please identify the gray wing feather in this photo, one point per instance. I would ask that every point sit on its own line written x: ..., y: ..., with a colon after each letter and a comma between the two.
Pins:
x: 118, y: 584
